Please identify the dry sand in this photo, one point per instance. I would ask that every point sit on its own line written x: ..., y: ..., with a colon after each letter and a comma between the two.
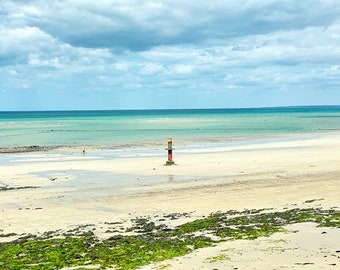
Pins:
x: 72, y: 190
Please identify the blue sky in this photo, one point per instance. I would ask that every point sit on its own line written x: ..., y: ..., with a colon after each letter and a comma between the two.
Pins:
x: 130, y: 54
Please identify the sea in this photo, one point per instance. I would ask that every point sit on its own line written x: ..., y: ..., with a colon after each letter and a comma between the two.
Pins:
x: 145, y: 128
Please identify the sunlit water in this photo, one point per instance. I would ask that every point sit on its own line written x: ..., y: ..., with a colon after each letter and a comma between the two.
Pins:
x: 153, y: 127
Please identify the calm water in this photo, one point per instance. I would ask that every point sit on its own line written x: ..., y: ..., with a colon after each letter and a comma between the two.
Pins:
x: 153, y: 127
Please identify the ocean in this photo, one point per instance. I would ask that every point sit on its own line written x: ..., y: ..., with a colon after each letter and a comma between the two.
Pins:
x: 144, y: 128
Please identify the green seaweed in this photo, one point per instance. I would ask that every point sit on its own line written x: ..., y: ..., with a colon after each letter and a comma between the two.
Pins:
x: 218, y: 258
x: 150, y: 242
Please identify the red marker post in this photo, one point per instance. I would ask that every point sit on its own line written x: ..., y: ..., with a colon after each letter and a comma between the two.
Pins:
x: 169, y: 161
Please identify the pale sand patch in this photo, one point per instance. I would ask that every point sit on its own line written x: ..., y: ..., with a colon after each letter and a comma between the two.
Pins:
x: 303, y: 246
x: 75, y: 189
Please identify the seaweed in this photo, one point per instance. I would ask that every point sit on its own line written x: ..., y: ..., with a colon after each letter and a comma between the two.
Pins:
x: 151, y: 242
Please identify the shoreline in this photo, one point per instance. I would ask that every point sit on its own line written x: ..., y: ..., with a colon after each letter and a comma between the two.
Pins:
x: 186, y: 143
x: 134, y: 168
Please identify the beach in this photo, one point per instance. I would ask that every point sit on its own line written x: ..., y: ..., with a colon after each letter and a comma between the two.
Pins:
x: 169, y: 135
x: 63, y: 188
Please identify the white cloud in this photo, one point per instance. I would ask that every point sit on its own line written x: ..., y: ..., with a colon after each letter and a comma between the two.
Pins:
x: 122, y: 65
x: 151, y: 69
x: 185, y: 46
x: 12, y: 72
x: 34, y: 60
x: 182, y: 69
x: 22, y: 39
x: 140, y: 25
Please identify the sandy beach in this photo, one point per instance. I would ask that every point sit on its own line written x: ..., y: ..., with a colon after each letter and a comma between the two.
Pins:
x: 61, y: 189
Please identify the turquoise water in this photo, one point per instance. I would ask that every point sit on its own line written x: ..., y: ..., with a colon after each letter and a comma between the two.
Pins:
x: 152, y: 127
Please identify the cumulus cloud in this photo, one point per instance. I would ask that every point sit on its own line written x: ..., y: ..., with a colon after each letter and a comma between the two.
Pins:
x: 140, y: 25
x: 198, y: 47
x: 17, y: 42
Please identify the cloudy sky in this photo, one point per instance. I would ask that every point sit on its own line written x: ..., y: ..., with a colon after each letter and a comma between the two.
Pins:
x: 130, y: 54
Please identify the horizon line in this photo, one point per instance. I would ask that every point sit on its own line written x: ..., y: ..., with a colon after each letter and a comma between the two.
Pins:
x: 175, y: 109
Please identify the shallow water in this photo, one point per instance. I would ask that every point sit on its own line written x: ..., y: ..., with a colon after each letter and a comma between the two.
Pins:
x: 122, y: 129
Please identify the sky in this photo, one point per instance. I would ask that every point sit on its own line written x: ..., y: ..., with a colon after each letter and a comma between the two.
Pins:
x: 131, y: 54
